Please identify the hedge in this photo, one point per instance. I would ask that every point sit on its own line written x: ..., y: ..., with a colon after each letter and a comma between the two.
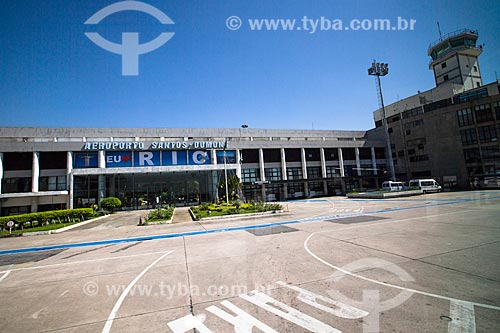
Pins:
x: 60, y: 216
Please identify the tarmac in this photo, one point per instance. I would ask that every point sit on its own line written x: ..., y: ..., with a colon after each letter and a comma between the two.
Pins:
x: 420, y: 264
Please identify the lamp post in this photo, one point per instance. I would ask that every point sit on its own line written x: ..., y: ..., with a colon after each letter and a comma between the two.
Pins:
x: 378, y: 70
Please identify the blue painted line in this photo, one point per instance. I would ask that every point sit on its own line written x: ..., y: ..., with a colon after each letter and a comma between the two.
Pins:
x: 307, y: 200
x: 248, y: 227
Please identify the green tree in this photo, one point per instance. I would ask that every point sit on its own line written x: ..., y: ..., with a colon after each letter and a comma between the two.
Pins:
x: 110, y: 203
x: 233, y: 185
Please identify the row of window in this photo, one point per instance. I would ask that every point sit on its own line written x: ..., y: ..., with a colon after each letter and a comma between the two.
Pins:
x: 295, y: 173
x: 23, y: 184
x: 473, y: 155
x: 419, y: 158
x: 485, y: 133
x: 482, y: 113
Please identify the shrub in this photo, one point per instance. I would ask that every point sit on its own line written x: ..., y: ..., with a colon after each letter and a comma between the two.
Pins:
x: 162, y: 214
x: 110, y: 203
x: 41, y: 218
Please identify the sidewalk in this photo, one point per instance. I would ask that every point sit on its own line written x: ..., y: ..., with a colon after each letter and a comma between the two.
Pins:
x: 181, y: 214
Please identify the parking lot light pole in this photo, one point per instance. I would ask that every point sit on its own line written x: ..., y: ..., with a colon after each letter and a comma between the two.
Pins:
x: 378, y: 70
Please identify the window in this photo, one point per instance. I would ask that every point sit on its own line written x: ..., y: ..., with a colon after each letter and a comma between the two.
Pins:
x: 469, y: 136
x: 331, y: 154
x: 408, y: 132
x: 17, y: 161
x: 250, y: 175
x: 314, y: 173
x: 475, y: 68
x: 446, y: 77
x: 483, y: 113
x: 16, y: 185
x: 490, y: 153
x: 496, y: 106
x: 487, y: 133
x: 419, y: 158
x: 273, y: 173
x: 312, y: 154
x: 294, y: 173
x: 380, y: 153
x: 415, y: 123
x: 411, y: 151
x: 272, y: 155
x: 366, y: 170
x: 390, y: 130
x: 250, y: 155
x: 332, y: 171
x: 471, y: 155
x: 365, y: 153
x: 401, y: 153
x: 53, y: 160
x: 54, y: 183
x: 293, y: 155
x: 348, y: 154
x: 443, y: 65
x: 465, y: 117
x: 316, y: 186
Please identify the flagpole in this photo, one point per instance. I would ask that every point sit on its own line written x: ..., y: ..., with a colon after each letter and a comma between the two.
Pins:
x: 225, y: 174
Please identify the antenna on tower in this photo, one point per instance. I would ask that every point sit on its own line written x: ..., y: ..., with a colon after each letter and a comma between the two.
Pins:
x: 439, y: 29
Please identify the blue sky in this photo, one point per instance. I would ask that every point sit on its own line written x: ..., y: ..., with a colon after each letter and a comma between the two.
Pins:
x: 209, y: 76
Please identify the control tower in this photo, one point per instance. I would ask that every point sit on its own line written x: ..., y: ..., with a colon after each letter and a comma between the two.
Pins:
x: 455, y: 59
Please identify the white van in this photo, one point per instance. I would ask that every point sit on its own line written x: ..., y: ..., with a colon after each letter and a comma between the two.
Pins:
x: 426, y: 185
x: 391, y: 186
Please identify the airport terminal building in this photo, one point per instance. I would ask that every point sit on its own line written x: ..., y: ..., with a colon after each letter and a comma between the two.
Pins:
x: 449, y: 133
x: 54, y: 168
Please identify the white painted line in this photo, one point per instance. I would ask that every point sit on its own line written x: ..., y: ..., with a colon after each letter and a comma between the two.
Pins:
x: 451, y: 299
x: 287, y: 312
x: 242, y: 321
x: 84, y: 261
x: 462, y: 317
x: 5, y: 275
x: 118, y: 303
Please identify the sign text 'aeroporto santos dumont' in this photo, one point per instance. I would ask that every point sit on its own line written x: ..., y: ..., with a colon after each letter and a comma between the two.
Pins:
x: 155, y: 145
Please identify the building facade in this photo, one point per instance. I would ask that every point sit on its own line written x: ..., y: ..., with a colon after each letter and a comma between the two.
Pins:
x: 450, y: 132
x: 55, y: 168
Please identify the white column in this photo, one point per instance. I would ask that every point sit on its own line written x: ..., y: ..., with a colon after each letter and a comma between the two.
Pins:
x: 304, y: 171
x: 262, y: 173
x: 213, y: 153
x: 358, y: 163
x: 238, y: 164
x: 304, y: 164
x: 261, y: 165
x: 69, y: 178
x: 341, y: 163
x: 101, y: 160
x: 35, y: 172
x: 283, y: 164
x: 1, y: 171
x: 101, y: 189
x: 374, y: 161
x: 323, y: 170
x: 323, y: 162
